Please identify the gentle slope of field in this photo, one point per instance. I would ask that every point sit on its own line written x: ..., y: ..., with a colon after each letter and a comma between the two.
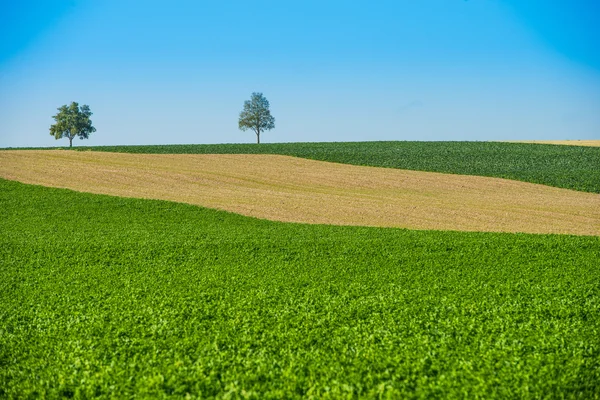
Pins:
x: 298, y: 190
x: 106, y: 297
x: 569, y: 167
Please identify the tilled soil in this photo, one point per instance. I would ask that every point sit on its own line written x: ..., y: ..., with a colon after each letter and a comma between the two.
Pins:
x: 590, y: 143
x: 289, y: 189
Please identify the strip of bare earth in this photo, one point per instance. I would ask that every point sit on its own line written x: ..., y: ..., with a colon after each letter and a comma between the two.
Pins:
x: 590, y: 143
x: 289, y: 189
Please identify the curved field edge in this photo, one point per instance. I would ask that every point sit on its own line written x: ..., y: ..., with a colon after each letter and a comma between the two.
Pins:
x: 290, y: 189
x: 569, y: 167
x: 111, y: 297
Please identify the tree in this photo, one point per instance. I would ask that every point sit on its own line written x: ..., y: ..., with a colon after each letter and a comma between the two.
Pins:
x: 256, y: 115
x: 72, y: 121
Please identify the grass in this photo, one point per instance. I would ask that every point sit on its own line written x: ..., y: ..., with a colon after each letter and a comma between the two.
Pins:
x: 111, y: 297
x: 569, y: 167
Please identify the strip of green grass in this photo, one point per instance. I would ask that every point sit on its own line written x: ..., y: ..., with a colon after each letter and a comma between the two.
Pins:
x: 570, y: 167
x: 109, y: 297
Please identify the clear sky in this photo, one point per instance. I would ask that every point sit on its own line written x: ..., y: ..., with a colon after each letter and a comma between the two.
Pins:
x: 157, y: 72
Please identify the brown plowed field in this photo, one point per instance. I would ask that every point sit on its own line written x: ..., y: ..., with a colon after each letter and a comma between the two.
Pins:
x: 292, y: 189
x: 591, y: 143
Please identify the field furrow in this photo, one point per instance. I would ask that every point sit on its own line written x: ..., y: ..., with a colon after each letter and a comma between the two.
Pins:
x: 289, y: 189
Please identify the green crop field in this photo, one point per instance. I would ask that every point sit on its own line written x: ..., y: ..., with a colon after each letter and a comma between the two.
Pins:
x: 570, y: 167
x: 110, y: 297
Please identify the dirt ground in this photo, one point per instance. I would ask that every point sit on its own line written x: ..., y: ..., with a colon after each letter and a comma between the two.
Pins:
x: 591, y: 143
x: 284, y: 188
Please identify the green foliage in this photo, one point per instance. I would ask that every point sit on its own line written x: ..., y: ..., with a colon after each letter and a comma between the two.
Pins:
x: 570, y: 167
x: 72, y: 121
x: 256, y: 115
x: 111, y: 297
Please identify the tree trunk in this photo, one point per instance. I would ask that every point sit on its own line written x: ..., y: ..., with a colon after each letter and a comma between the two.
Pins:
x: 70, y: 141
x: 258, y: 137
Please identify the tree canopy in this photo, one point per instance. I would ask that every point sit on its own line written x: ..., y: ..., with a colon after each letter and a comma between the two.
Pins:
x: 72, y: 121
x: 256, y: 115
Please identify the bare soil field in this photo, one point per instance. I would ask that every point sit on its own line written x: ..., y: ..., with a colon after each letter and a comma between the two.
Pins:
x: 591, y: 143
x: 289, y: 189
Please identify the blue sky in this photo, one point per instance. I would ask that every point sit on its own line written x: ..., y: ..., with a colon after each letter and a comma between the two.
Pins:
x: 157, y: 72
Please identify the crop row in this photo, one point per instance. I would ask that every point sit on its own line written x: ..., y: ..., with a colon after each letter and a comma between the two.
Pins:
x: 111, y: 297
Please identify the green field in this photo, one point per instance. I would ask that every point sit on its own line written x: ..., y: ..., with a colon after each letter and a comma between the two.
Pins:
x: 111, y: 297
x: 570, y: 167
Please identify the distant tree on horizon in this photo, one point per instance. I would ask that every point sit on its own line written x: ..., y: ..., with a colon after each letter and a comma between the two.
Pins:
x: 72, y: 121
x: 256, y: 115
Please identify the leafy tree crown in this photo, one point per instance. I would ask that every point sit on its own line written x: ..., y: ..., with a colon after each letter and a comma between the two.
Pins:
x: 256, y: 114
x: 72, y: 121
